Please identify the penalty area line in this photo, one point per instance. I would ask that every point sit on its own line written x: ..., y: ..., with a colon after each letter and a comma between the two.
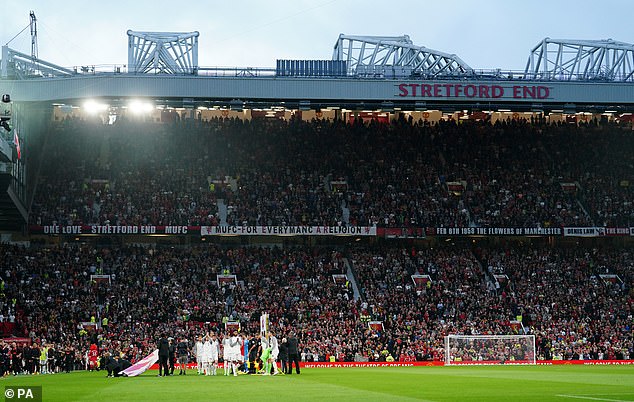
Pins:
x: 591, y: 398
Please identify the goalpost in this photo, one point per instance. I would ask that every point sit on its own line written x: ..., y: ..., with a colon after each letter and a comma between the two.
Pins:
x: 489, y: 349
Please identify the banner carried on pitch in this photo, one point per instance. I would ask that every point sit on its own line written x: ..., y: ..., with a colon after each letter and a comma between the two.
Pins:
x: 141, y: 366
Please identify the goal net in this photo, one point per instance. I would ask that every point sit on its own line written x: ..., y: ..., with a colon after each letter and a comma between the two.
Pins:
x: 489, y: 349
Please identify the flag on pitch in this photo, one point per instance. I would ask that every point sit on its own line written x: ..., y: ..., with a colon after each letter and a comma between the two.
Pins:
x: 142, y: 365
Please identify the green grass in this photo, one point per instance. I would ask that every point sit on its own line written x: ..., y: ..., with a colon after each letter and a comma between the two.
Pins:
x: 490, y: 383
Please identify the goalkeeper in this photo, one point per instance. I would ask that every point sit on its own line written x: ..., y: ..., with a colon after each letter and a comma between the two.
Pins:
x: 266, y: 355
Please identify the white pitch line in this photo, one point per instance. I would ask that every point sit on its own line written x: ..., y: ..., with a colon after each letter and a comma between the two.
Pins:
x: 590, y: 398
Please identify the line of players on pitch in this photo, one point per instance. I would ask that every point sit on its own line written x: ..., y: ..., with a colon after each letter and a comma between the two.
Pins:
x: 249, y: 355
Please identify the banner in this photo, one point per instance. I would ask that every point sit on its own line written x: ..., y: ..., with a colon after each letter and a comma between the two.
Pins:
x: 113, y: 230
x: 439, y: 363
x: 288, y: 230
x: 375, y: 325
x: 598, y: 232
x: 495, y: 231
x: 264, y: 324
x: 584, y: 232
x: 406, y: 233
x: 368, y: 231
x: 618, y: 231
x: 140, y: 366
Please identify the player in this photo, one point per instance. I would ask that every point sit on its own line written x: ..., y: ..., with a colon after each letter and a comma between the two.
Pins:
x: 275, y: 351
x: 266, y: 355
x: 199, y: 354
x: 245, y: 354
x: 215, y: 352
x: 235, y: 343
x: 226, y: 352
x: 206, y: 355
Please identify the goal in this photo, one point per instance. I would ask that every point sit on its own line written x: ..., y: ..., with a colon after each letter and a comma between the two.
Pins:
x: 489, y: 349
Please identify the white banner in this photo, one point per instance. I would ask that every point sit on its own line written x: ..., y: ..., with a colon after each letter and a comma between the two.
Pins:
x: 585, y: 232
x: 142, y: 365
x: 288, y: 230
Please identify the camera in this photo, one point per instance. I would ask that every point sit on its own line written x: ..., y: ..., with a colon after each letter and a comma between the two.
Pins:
x: 5, y: 112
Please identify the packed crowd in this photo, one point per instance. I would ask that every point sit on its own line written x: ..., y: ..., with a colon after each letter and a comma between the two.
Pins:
x: 578, y: 303
x: 512, y: 173
x: 123, y: 297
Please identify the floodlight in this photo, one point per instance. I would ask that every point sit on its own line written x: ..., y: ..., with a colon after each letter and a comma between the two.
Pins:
x: 140, y: 107
x: 93, y: 107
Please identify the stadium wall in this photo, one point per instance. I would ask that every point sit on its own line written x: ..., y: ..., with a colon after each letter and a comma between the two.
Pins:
x: 313, y: 89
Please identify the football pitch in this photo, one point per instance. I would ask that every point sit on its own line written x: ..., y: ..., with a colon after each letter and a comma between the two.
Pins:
x: 489, y: 383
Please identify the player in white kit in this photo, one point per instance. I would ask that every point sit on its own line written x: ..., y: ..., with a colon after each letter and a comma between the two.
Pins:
x: 226, y: 353
x: 275, y: 351
x: 235, y: 343
x: 206, y: 357
x: 215, y: 351
x: 199, y: 354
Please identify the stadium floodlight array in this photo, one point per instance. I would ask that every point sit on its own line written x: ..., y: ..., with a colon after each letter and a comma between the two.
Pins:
x: 489, y: 349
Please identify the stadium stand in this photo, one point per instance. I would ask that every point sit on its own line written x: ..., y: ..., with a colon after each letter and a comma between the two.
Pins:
x: 513, y: 173
x: 402, y: 174
x: 557, y: 294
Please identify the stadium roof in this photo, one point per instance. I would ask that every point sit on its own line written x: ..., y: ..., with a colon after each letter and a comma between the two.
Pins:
x: 564, y: 59
x: 369, y: 54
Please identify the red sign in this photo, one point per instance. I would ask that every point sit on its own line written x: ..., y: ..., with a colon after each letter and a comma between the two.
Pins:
x: 482, y: 91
